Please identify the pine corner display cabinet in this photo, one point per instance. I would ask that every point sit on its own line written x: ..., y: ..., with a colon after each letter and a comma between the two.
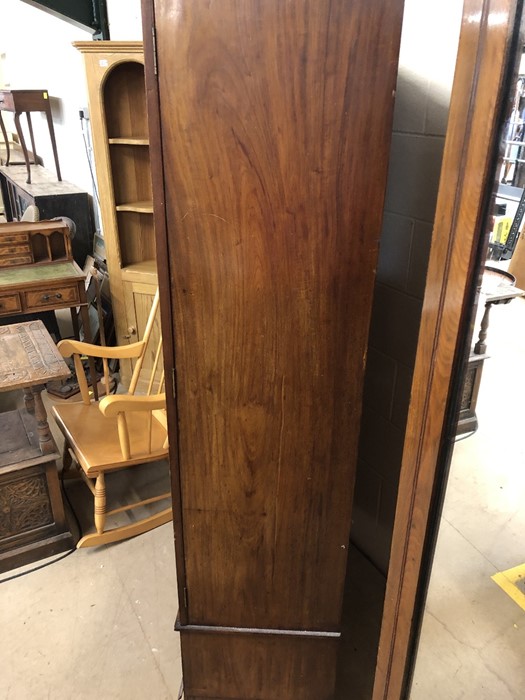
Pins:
x: 270, y: 126
x: 118, y: 115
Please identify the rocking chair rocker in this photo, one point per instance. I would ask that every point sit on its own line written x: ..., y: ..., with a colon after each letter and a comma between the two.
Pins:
x: 117, y: 432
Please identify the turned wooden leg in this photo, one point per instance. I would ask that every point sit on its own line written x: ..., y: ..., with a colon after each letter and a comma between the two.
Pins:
x: 100, y: 503
x: 480, y: 348
x: 45, y: 439
x: 29, y: 400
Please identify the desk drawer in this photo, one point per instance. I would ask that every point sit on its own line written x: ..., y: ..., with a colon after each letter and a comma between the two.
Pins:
x: 54, y: 297
x: 15, y: 253
x: 9, y: 304
x: 10, y: 248
x: 14, y: 238
x: 16, y: 259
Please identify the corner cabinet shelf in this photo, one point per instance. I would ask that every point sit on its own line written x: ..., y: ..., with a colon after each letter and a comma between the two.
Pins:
x: 117, y: 104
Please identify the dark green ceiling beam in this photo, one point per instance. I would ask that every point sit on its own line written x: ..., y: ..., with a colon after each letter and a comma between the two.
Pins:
x: 88, y: 14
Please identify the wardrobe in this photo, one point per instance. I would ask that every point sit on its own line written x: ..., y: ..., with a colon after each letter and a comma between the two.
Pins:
x: 269, y: 135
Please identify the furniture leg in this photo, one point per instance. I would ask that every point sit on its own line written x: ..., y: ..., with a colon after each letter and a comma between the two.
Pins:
x: 74, y: 323
x: 29, y: 400
x: 45, y: 439
x: 100, y: 503
x: 84, y: 312
x: 51, y: 129
x: 31, y: 136
x: 6, y: 140
x: 23, y: 144
x: 67, y: 460
x: 480, y: 348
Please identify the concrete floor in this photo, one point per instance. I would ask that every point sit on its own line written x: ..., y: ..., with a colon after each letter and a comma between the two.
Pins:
x: 99, y: 623
x: 473, y: 637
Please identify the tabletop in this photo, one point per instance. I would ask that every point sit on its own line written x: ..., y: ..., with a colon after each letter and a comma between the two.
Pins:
x: 28, y: 356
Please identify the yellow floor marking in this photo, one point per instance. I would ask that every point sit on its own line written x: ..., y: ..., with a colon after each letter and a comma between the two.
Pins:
x: 512, y: 581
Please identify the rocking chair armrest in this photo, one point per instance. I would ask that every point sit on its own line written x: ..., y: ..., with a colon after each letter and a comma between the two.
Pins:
x: 121, y: 403
x: 76, y: 347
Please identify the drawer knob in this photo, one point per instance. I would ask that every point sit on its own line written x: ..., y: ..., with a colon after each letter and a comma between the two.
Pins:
x: 47, y: 297
x: 131, y: 331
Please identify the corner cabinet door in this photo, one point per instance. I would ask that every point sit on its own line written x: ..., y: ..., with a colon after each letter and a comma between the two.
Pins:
x: 138, y: 298
x: 270, y: 133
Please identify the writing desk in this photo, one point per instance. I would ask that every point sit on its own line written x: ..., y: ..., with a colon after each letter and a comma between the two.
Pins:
x: 32, y: 519
x: 32, y: 289
x: 38, y: 273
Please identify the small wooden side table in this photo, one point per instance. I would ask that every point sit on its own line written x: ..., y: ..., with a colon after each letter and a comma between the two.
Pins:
x: 32, y: 519
x: 498, y: 287
x: 27, y: 101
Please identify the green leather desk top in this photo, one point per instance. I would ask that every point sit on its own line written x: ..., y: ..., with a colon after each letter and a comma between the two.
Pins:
x: 39, y: 273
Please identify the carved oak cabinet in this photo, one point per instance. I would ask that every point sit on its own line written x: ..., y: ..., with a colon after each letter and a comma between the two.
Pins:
x: 270, y: 126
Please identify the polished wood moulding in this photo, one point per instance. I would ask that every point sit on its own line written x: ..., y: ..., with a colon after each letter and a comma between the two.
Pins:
x: 465, y: 190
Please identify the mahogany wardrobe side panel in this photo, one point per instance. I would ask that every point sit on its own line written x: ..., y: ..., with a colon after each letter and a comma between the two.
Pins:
x: 270, y: 126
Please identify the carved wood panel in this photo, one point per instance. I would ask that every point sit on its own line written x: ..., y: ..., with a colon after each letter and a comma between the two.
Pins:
x: 24, y: 504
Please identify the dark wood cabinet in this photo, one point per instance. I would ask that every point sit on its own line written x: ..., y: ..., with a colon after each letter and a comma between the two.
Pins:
x: 53, y: 198
x: 270, y: 127
x: 33, y: 524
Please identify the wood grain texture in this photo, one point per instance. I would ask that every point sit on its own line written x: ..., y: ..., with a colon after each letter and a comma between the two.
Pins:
x: 276, y: 122
x: 33, y: 524
x: 465, y: 188
x: 122, y: 89
x: 291, y: 668
x: 28, y: 356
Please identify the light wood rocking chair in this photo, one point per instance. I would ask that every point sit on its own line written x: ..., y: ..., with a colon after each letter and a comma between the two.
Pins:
x: 117, y: 432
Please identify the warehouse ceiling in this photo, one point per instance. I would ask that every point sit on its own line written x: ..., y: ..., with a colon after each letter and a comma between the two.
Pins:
x: 88, y: 14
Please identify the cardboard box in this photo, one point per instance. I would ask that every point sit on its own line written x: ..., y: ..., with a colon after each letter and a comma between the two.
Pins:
x: 517, y: 262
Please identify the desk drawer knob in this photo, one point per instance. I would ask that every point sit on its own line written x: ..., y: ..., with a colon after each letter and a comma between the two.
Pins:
x: 47, y: 297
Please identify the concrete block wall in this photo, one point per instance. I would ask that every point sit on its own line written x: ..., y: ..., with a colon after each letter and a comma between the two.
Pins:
x: 427, y: 59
